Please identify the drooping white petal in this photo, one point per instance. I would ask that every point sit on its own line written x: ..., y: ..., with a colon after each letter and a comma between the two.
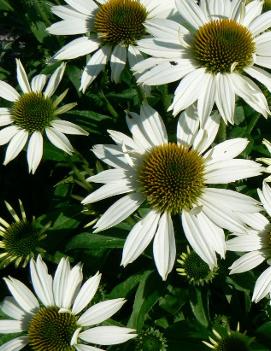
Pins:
x: 38, y: 82
x: 203, y: 141
x: 198, y: 239
x: 94, y: 66
x: 262, y: 286
x: 59, y: 140
x: 76, y: 48
x: 188, y: 124
x: 120, y: 210
x: 164, y: 248
x: 261, y: 75
x: 247, y: 262
x: 11, y: 308
x: 67, y: 127
x: 7, y: 134
x: 7, y: 92
x: 107, y: 335
x: 42, y: 281
x: 118, y: 62
x: 134, y: 55
x: 16, y: 145
x: 23, y: 296
x: 15, y: 344
x: 206, y: 97
x: 34, y: 151
x: 255, y: 220
x: 54, y: 80
x: 139, y: 237
x: 100, y: 312
x: 22, y: 77
x: 225, y: 97
x: 260, y: 23
x: 83, y: 347
x: 86, y: 293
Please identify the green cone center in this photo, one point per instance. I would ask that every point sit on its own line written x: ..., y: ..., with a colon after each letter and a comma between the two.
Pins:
x: 223, y: 45
x: 21, y: 239
x: 196, y: 269
x: 120, y: 21
x: 33, y: 112
x: 171, y: 177
x: 50, y: 330
x: 233, y: 343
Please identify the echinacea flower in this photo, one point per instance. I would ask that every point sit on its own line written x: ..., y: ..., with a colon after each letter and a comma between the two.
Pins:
x: 110, y: 28
x: 256, y: 242
x: 33, y: 114
x: 266, y: 160
x: 58, y: 318
x: 20, y: 240
x: 172, y: 178
x: 214, y: 55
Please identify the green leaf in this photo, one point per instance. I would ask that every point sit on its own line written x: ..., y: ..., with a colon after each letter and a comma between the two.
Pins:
x: 124, y: 288
x: 94, y: 241
x: 198, y: 306
x: 5, y: 5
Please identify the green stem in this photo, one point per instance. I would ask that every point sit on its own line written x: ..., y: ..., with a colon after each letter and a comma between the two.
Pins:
x: 108, y: 106
x: 253, y: 122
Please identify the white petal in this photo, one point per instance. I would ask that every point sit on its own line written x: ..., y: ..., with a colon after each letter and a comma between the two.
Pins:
x: 262, y: 286
x: 84, y: 6
x: 42, y: 281
x: 59, y: 140
x: 245, y: 243
x: 227, y: 171
x: 67, y: 127
x: 38, y: 82
x: 111, y: 189
x: 247, y: 262
x: 253, y: 10
x: 209, y: 131
x: 22, y: 77
x: 7, y: 134
x: 119, y: 211
x: 134, y: 55
x: 23, y: 296
x: 188, y: 90
x: 206, y: 97
x: 60, y: 281
x: 11, y: 308
x: 260, y: 23
x: 225, y: 97
x: 164, y: 248
x: 100, y: 312
x: 69, y: 27
x: 54, y: 80
x: 188, y: 125
x: 107, y: 335
x: 94, y: 66
x: 123, y: 140
x: 263, y: 44
x: 255, y: 220
x: 139, y: 237
x: 5, y: 116
x: 108, y: 176
x: 34, y: 151
x: 7, y: 92
x: 250, y: 92
x: 82, y: 347
x: 72, y: 287
x: 265, y: 197
x: 112, y: 155
x: 263, y: 61
x: 228, y: 149
x: 118, y: 62
x: 165, y: 29
x: 67, y: 12
x: 76, y: 48
x: 86, y: 293
x: 8, y: 326
x: 198, y: 238
x: 15, y: 344
x: 191, y: 12
x: 16, y: 145
x: 261, y: 75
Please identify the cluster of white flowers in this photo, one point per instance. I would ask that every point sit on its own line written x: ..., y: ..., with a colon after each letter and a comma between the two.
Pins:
x: 216, y: 50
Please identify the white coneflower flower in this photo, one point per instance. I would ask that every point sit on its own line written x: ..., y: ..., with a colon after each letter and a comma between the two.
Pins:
x: 256, y: 241
x: 173, y: 178
x: 266, y: 160
x: 110, y: 28
x: 58, y: 317
x: 221, y: 47
x: 20, y: 239
x: 34, y: 113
